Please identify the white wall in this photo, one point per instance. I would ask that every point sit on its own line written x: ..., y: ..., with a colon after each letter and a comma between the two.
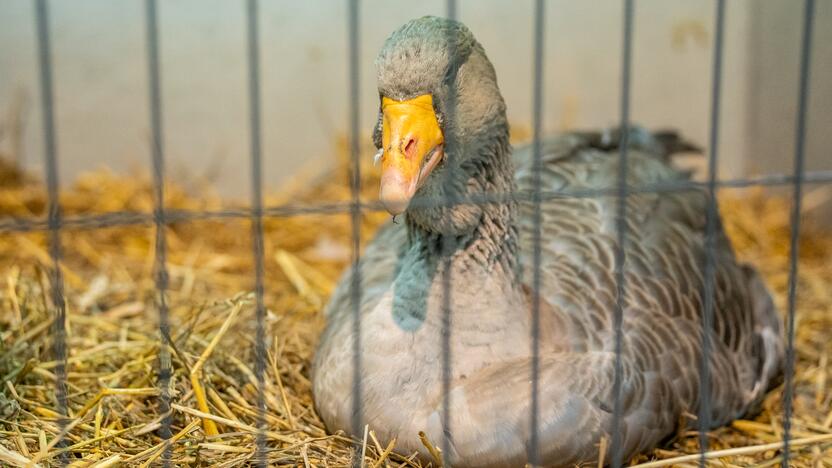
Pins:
x: 101, y: 77
x: 773, y: 79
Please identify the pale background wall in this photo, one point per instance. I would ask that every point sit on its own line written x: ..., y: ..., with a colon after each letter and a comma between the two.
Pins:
x: 101, y: 78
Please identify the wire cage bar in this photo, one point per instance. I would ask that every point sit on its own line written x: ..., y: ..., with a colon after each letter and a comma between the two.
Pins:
x: 621, y: 226
x: 449, y: 245
x: 797, y: 198
x: 159, y: 222
x: 59, y: 348
x: 353, y: 36
x: 111, y: 219
x: 537, y: 220
x: 160, y: 218
x: 253, y: 52
x: 711, y: 218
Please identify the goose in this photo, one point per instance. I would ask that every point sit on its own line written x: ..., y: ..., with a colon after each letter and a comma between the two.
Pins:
x: 442, y: 132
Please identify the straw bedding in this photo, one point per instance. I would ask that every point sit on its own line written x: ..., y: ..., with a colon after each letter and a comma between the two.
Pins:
x: 113, y: 339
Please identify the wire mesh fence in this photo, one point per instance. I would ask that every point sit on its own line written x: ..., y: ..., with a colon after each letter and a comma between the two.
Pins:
x: 54, y: 222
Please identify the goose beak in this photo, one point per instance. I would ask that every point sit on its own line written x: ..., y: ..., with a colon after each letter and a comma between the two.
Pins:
x: 412, y: 146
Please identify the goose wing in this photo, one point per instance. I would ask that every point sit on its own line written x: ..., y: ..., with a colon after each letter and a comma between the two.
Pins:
x: 663, y: 295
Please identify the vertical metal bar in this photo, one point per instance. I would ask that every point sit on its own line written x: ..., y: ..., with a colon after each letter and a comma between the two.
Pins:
x: 448, y: 246
x: 357, y: 422
x: 54, y: 216
x: 621, y: 226
x: 797, y: 196
x: 160, y: 268
x: 537, y: 123
x: 257, y: 222
x: 711, y: 219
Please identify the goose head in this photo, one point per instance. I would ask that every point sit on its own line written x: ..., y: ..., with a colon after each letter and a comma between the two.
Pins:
x: 441, y: 130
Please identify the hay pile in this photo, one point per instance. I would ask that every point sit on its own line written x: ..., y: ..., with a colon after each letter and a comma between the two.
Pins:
x: 113, y: 337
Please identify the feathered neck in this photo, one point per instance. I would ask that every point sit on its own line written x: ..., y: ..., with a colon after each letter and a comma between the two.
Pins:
x: 482, y: 231
x: 475, y: 242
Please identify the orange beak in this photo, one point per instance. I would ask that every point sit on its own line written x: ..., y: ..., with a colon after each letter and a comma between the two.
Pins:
x: 412, y: 146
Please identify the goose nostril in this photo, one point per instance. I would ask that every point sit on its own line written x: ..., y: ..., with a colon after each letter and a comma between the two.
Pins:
x: 410, y: 148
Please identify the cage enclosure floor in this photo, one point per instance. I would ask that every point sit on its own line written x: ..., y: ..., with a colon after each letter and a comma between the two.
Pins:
x: 113, y: 339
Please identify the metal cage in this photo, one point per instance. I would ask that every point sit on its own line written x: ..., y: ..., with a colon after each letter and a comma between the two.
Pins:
x: 55, y: 221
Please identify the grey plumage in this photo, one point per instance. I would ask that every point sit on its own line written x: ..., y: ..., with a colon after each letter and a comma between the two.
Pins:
x: 402, y: 292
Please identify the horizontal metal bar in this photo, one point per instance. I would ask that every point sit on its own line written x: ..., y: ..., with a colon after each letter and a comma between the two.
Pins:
x: 128, y: 218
